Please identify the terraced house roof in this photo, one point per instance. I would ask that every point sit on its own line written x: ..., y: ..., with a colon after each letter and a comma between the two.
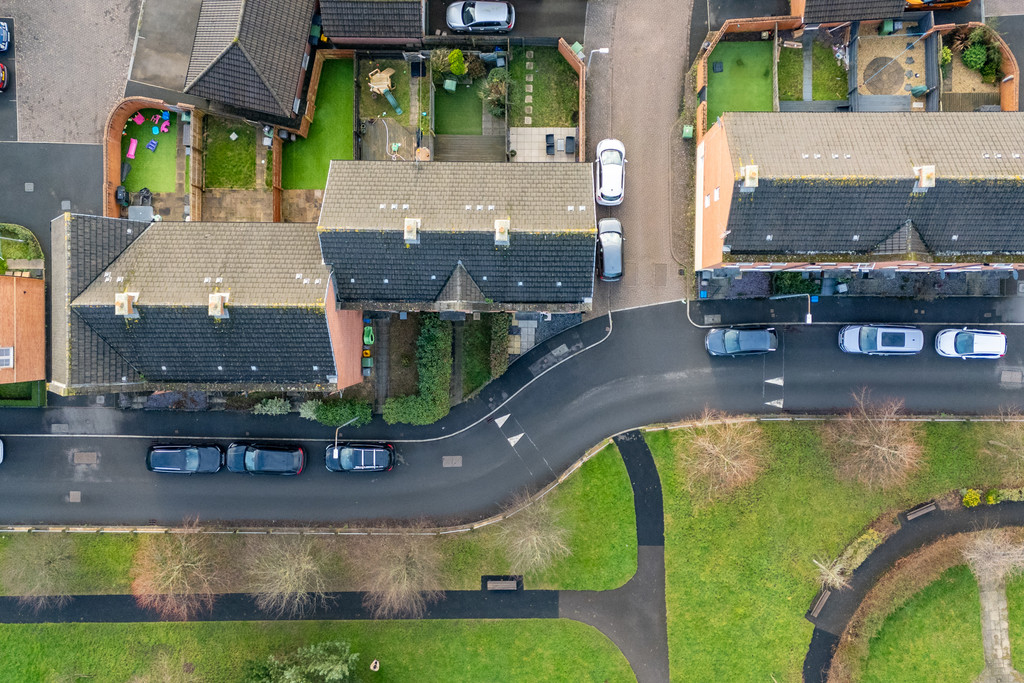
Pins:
x: 248, y: 53
x: 823, y: 11
x: 372, y: 18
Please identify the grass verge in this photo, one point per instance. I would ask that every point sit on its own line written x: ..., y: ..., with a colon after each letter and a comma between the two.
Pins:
x: 555, y: 89
x: 830, y: 80
x: 460, y: 112
x: 476, y: 354
x: 305, y: 162
x: 21, y: 243
x: 230, y: 163
x: 745, y: 82
x: 791, y: 74
x: 477, y: 650
x: 746, y: 560
x: 155, y: 170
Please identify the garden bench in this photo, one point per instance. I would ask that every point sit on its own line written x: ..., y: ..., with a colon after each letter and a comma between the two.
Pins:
x: 502, y: 585
x: 820, y: 602
x: 921, y: 510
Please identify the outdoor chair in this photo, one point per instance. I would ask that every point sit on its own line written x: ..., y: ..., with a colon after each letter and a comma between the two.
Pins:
x: 139, y: 119
x: 550, y: 140
x: 155, y: 118
x: 151, y: 145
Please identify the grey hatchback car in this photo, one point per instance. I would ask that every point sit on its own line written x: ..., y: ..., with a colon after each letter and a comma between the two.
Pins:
x: 480, y: 17
x: 360, y: 456
x: 609, y: 249
x: 740, y: 341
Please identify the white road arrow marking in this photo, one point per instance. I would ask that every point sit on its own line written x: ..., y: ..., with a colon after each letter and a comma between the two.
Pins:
x: 500, y: 421
x: 774, y: 380
x: 513, y: 440
x: 777, y: 403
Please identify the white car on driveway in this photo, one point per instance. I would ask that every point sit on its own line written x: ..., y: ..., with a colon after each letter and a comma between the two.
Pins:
x: 965, y: 343
x: 881, y: 340
x: 611, y: 172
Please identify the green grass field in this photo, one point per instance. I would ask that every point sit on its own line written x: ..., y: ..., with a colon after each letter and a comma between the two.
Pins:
x: 830, y: 79
x: 306, y: 161
x: 555, y: 88
x: 455, y: 650
x: 460, y: 112
x: 791, y: 74
x: 745, y: 83
x: 155, y: 170
x: 230, y: 163
x: 744, y: 563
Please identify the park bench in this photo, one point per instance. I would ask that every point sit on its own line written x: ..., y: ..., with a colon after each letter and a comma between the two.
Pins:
x: 820, y: 602
x: 921, y: 510
x: 502, y: 585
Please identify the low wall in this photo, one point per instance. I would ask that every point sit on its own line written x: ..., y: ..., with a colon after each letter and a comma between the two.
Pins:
x: 581, y: 120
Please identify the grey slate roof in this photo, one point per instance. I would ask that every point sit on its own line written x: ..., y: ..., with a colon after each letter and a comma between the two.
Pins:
x: 862, y: 204
x: 372, y: 18
x: 818, y: 11
x: 550, y: 206
x: 248, y: 53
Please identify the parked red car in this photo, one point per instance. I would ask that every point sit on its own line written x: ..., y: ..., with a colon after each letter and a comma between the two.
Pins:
x: 3, y: 77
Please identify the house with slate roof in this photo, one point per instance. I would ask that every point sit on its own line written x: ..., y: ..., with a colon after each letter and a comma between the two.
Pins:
x: 141, y: 306
x: 460, y: 237
x: 371, y: 22
x: 252, y: 56
x: 834, y: 11
x: 861, y: 191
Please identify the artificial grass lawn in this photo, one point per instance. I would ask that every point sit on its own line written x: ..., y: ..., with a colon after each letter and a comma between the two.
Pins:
x: 155, y: 170
x: 936, y: 635
x: 745, y: 83
x: 370, y: 105
x: 460, y: 112
x: 27, y: 248
x: 555, y: 89
x: 739, y: 572
x: 457, y: 650
x: 791, y: 74
x: 829, y: 81
x: 306, y: 161
x: 476, y: 354
x: 230, y: 163
x: 15, y: 391
x: 596, y: 505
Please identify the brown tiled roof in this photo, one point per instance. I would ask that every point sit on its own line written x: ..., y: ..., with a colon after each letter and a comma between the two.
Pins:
x: 884, y: 145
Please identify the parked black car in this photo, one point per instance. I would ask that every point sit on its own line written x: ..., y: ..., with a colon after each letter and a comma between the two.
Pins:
x: 185, y: 459
x: 265, y: 459
x: 360, y: 456
x: 739, y: 341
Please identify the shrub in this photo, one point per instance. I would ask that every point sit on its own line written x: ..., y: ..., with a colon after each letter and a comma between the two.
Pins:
x: 495, y: 91
x: 992, y: 497
x: 499, y: 343
x: 960, y: 39
x: 457, y: 62
x: 287, y: 574
x: 272, y: 406
x: 434, y: 365
x: 990, y: 72
x: 533, y: 537
x: 175, y: 574
x: 947, y: 56
x: 794, y: 283
x: 975, y: 56
x: 439, y: 65
x: 336, y: 412
x: 308, y: 408
x: 1015, y: 495
x: 972, y: 498
x: 475, y: 67
x: 399, y: 573
x: 722, y: 455
x: 330, y: 662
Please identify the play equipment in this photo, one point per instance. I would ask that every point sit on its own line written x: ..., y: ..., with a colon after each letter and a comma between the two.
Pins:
x: 139, y: 119
x: 380, y: 83
x: 393, y: 102
x: 156, y: 129
x: 165, y: 115
x: 151, y: 145
x: 155, y: 118
x: 132, y: 144
x: 165, y: 126
x: 368, y: 335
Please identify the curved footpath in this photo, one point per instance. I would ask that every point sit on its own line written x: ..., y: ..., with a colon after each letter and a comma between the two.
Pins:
x: 632, y: 616
x: 841, y: 605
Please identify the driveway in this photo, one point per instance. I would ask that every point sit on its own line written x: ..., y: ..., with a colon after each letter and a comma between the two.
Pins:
x: 642, y: 113
x: 534, y: 18
x: 163, y: 46
x: 9, y: 97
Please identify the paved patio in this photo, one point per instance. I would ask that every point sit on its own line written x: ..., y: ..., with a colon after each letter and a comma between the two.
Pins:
x: 888, y: 66
x: 530, y: 144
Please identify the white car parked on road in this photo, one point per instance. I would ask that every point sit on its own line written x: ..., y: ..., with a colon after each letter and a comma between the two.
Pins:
x: 611, y: 172
x: 965, y: 343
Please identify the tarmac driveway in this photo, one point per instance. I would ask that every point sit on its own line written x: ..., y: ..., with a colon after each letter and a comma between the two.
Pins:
x: 534, y: 18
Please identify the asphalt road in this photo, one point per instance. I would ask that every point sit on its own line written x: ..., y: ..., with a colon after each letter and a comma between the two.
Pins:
x: 534, y: 18
x: 651, y: 368
x: 8, y: 98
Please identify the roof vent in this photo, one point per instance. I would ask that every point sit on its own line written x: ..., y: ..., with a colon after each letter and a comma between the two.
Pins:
x: 749, y: 174
x: 501, y: 230
x: 925, y: 176
x: 124, y: 304
x: 412, y: 230
x: 217, y: 305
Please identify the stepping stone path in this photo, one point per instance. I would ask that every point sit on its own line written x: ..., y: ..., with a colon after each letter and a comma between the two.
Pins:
x: 527, y: 120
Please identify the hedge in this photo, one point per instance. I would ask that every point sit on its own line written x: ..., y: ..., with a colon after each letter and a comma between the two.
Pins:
x: 434, y: 364
x: 336, y: 412
x: 499, y: 343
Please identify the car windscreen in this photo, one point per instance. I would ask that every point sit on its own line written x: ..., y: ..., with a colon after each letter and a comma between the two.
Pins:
x: 731, y: 339
x: 611, y: 157
x: 468, y: 14
x: 868, y: 339
x: 964, y: 342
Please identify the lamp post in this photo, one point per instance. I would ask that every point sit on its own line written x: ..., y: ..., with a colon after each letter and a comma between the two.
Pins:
x: 602, y: 50
x: 808, y: 320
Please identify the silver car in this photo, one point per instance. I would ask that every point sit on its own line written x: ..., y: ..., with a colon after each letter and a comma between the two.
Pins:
x: 881, y: 340
x: 480, y: 17
x: 609, y: 249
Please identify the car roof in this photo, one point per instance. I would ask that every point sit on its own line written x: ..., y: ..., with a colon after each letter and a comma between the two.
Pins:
x: 487, y: 10
x: 987, y: 341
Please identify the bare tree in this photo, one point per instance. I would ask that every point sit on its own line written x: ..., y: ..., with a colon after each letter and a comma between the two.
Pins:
x: 175, y: 574
x: 38, y: 567
x: 533, y: 536
x: 400, y: 572
x: 722, y: 455
x: 871, y: 445
x: 994, y: 554
x: 287, y: 574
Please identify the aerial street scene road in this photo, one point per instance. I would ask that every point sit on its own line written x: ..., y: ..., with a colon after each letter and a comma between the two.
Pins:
x: 542, y: 340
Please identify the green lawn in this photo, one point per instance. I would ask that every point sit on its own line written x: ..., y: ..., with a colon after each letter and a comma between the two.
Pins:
x: 829, y: 81
x: 21, y: 243
x: 476, y: 354
x: 16, y: 390
x: 744, y: 563
x: 460, y: 112
x: 596, y: 504
x: 791, y: 74
x: 230, y: 163
x: 936, y: 635
x: 370, y: 105
x: 155, y: 170
x: 745, y: 83
x: 456, y: 650
x: 306, y: 161
x: 555, y: 89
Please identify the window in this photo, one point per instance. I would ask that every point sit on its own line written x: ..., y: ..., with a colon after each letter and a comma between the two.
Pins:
x: 6, y: 357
